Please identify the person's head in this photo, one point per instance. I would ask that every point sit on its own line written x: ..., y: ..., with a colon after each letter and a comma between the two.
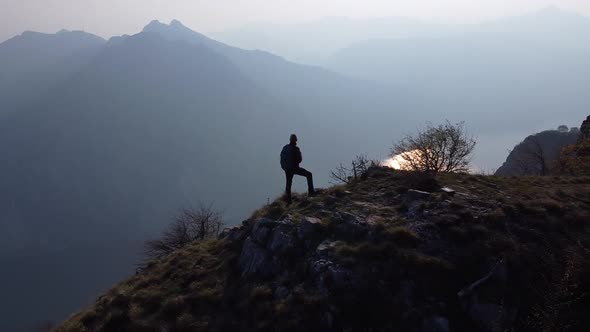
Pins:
x: 293, y: 139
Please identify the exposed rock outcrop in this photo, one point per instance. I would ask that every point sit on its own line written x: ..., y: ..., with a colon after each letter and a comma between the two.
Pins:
x: 537, y: 154
x: 377, y: 255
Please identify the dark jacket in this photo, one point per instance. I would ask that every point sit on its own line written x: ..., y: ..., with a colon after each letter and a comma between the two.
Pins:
x: 290, y: 157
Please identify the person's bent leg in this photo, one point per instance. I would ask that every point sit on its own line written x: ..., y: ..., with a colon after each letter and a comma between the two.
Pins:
x: 309, y: 176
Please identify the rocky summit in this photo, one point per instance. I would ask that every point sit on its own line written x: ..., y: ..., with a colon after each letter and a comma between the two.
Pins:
x: 391, y: 251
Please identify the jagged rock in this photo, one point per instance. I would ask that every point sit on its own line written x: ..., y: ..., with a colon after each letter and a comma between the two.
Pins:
x: 349, y: 225
x: 232, y: 233
x: 309, y: 231
x: 255, y: 260
x: 488, y: 302
x: 282, y: 239
x: 262, y: 229
x: 330, y: 276
x: 307, y: 227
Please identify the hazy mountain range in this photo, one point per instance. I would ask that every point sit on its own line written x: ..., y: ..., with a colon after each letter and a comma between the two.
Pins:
x: 118, y: 135
x: 315, y: 41
x: 102, y: 141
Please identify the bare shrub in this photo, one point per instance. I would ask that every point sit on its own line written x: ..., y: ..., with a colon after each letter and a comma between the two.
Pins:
x: 359, y: 166
x: 442, y: 148
x: 533, y: 158
x: 194, y: 224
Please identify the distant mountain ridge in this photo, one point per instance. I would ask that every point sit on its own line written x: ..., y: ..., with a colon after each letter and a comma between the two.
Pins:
x: 315, y: 41
x: 125, y: 132
x: 33, y: 62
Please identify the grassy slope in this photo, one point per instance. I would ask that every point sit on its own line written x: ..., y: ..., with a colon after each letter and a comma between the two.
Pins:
x: 540, y: 226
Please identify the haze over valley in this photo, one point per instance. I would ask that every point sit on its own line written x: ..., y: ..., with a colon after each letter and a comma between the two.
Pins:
x: 102, y: 141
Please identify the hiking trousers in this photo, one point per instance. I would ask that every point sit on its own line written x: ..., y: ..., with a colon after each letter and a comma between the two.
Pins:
x: 298, y: 171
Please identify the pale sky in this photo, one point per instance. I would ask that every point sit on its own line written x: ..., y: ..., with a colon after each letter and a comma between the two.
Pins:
x: 115, y: 17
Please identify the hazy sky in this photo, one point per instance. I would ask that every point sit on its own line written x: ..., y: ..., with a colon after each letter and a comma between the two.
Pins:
x: 115, y: 17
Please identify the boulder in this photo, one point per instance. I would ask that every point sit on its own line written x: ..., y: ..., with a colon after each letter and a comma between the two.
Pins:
x: 417, y: 195
x: 282, y: 240
x: 448, y: 191
x: 349, y: 226
x: 255, y: 260
x: 309, y: 230
x: 307, y: 227
x: 262, y: 229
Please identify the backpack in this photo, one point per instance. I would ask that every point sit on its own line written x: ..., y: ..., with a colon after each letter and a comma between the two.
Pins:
x: 286, y: 158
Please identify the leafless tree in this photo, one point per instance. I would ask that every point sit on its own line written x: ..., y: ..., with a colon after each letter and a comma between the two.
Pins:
x: 359, y: 166
x: 442, y: 148
x: 532, y: 159
x: 194, y: 224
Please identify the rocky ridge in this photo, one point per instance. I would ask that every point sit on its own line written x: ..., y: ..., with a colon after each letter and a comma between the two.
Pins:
x: 391, y: 251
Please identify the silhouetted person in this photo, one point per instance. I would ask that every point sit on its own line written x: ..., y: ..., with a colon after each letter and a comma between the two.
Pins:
x: 290, y: 160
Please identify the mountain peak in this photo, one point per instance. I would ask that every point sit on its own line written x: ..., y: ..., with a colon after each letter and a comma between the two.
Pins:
x: 157, y: 26
x: 154, y: 25
x: 176, y: 23
x: 62, y: 35
x: 175, y: 31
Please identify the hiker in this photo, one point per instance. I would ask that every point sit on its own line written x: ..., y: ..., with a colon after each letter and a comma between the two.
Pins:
x: 290, y: 160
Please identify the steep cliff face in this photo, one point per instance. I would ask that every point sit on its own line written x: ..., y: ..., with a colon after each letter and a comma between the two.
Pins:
x: 391, y: 251
x: 537, y: 154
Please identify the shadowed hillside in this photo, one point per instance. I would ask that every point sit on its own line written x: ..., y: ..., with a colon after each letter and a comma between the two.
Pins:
x: 390, y: 251
x: 146, y: 120
x: 538, y: 154
x: 32, y: 63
